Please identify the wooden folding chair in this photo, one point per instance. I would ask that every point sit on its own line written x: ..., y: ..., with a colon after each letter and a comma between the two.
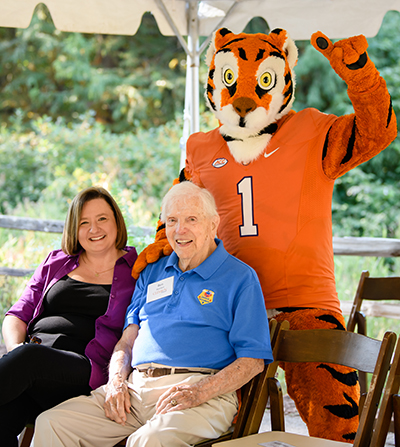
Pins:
x: 396, y: 414
x: 371, y: 289
x: 360, y: 352
x: 254, y: 396
x: 250, y: 395
x: 327, y: 346
x: 26, y: 436
x: 388, y: 405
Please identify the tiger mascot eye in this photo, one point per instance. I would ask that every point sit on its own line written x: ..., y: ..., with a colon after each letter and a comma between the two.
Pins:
x: 271, y: 171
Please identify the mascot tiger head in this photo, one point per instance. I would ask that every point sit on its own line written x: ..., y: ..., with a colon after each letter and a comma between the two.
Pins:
x: 250, y: 87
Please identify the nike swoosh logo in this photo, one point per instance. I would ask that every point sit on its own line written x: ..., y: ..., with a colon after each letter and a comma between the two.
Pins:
x: 273, y: 152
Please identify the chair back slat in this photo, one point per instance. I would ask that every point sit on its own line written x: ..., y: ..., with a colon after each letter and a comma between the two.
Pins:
x: 346, y: 348
x: 378, y: 289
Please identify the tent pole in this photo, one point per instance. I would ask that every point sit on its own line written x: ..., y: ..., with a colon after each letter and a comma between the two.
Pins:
x: 193, y: 44
x: 191, y: 114
x: 192, y: 107
x: 186, y: 115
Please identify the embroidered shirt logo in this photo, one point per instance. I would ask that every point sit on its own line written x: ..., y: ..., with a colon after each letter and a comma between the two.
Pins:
x: 206, y: 297
x: 268, y: 155
x: 220, y: 162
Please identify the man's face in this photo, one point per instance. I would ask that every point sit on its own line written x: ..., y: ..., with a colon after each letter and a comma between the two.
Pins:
x: 190, y: 232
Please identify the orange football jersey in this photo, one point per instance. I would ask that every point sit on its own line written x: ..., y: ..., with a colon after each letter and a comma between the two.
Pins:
x: 276, y: 211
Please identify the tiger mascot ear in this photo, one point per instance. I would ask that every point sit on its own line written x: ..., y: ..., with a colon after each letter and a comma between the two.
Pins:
x: 278, y: 36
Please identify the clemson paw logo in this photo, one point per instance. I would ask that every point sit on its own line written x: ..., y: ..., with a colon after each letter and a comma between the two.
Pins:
x: 206, y: 297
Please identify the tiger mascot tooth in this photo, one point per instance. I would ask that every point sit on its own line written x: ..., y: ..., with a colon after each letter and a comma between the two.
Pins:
x: 272, y: 171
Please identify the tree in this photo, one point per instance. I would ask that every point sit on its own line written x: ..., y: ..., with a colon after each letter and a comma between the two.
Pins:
x: 366, y: 200
x: 127, y: 84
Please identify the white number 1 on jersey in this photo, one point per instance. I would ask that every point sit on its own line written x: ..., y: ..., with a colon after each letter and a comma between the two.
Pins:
x: 245, y: 188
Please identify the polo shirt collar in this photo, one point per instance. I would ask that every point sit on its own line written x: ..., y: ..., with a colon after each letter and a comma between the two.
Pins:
x: 208, y: 267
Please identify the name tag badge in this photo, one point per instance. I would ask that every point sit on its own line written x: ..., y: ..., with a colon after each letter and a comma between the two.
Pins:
x: 160, y: 289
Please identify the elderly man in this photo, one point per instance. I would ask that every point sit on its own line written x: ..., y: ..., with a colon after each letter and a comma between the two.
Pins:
x: 196, y: 331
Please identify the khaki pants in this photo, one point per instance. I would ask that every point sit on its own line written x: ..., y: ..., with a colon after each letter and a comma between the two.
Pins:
x: 81, y: 421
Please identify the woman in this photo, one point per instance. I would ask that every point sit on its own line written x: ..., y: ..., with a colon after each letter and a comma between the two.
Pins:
x: 61, y: 332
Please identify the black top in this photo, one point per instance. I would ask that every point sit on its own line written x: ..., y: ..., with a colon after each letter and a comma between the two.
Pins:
x: 70, y: 311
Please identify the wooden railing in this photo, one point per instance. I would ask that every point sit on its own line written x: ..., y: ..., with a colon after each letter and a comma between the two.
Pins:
x: 348, y: 246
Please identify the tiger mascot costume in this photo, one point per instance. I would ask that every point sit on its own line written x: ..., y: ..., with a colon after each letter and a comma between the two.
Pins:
x: 271, y: 171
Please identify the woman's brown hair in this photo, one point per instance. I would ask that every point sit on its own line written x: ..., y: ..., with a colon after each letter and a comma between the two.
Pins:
x: 70, y: 243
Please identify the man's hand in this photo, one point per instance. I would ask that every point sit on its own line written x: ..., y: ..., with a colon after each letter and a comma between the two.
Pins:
x: 179, y: 398
x: 229, y: 379
x: 117, y: 403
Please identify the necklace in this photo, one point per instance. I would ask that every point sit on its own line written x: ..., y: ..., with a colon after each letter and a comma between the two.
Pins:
x: 96, y: 274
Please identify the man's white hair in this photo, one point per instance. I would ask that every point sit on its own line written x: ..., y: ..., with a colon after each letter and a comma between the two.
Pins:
x: 188, y: 190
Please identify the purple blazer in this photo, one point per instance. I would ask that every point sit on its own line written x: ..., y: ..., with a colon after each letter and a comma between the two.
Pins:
x: 109, y: 326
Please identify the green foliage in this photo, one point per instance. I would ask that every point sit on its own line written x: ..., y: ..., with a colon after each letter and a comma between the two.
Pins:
x: 366, y: 199
x: 127, y: 84
x: 52, y: 162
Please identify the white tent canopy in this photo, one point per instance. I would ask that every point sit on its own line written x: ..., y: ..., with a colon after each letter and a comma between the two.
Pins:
x: 336, y: 18
x: 194, y: 18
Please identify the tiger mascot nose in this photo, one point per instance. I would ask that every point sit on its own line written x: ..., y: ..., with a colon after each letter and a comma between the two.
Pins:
x: 244, y: 105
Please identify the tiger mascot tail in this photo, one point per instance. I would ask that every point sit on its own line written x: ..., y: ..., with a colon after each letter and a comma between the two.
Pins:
x: 271, y: 171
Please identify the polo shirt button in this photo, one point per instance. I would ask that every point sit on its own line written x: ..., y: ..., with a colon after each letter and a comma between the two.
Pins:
x: 181, y: 278
x: 176, y: 292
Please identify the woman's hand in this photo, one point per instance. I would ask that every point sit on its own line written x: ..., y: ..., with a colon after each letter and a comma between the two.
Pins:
x: 14, y: 332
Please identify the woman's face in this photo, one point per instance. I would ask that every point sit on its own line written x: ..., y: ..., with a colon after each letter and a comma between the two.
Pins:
x: 97, y: 231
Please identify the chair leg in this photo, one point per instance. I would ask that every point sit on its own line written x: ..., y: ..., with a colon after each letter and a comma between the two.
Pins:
x: 26, y: 436
x: 396, y: 414
x: 276, y: 405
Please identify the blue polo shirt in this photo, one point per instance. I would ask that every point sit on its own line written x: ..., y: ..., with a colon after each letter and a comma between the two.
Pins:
x: 206, y: 317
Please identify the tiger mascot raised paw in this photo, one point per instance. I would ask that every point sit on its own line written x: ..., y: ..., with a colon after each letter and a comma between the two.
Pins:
x: 271, y: 171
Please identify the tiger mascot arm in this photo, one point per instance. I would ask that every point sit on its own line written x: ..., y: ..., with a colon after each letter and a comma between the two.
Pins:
x: 356, y: 138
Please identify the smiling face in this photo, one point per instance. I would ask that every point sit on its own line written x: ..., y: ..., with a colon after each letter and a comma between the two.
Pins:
x: 97, y: 227
x: 190, y: 231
